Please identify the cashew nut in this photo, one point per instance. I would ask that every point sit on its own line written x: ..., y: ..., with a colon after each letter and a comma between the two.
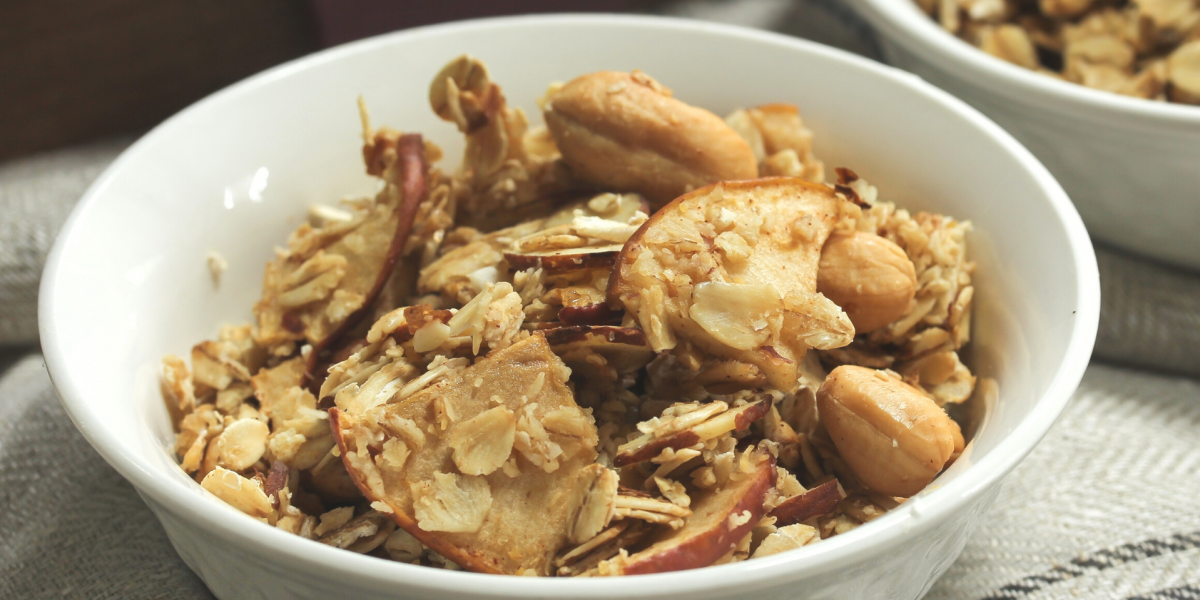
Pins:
x: 895, y: 439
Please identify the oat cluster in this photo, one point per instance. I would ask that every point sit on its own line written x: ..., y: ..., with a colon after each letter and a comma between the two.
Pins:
x: 639, y: 339
x: 1142, y: 48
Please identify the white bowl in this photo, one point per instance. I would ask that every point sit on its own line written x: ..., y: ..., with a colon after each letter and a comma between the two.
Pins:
x: 127, y: 283
x: 1131, y: 166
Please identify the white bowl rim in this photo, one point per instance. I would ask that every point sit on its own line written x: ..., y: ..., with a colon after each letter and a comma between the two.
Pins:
x: 914, y: 517
x: 1017, y: 82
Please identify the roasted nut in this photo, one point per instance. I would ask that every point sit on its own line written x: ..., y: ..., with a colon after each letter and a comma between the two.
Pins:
x: 1183, y: 69
x: 871, y: 278
x: 894, y: 438
x: 242, y: 444
x: 625, y: 132
x: 237, y: 491
x: 1011, y: 43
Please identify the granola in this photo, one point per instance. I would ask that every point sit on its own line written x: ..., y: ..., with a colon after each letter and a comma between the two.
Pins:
x: 1141, y: 48
x: 528, y: 367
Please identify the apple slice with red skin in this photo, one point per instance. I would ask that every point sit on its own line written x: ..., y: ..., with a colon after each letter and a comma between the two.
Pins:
x: 360, y: 269
x: 625, y: 348
x: 746, y: 252
x: 570, y: 259
x: 741, y: 416
x: 818, y: 501
x: 414, y: 186
x: 591, y: 314
x: 530, y: 510
x: 711, y: 531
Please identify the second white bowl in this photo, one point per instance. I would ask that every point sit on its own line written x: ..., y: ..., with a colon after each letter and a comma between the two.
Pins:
x: 1131, y: 166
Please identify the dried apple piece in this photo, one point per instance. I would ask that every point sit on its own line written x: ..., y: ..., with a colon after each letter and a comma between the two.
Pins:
x: 624, y: 348
x: 820, y: 500
x: 685, y: 425
x: 732, y: 268
x: 605, y: 545
x: 589, y: 314
x: 565, y: 259
x: 329, y: 276
x: 423, y: 457
x: 573, y: 239
x: 720, y: 518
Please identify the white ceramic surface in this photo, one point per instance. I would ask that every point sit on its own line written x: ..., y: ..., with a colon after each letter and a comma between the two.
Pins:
x: 127, y: 281
x: 1131, y: 166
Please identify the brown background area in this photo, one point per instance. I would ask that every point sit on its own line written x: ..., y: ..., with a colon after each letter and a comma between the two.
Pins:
x: 76, y: 70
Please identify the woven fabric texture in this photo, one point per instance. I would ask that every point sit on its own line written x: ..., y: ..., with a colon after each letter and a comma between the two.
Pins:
x: 36, y: 195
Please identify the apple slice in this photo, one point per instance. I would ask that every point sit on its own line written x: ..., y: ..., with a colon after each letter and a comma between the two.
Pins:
x: 710, y: 420
x: 719, y: 519
x: 732, y: 268
x: 585, y: 235
x: 569, y: 259
x: 328, y: 278
x: 487, y: 464
x: 589, y: 314
x: 818, y: 501
x: 624, y: 348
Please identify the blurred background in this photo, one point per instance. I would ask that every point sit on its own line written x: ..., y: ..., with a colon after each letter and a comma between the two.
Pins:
x: 81, y: 79
x: 77, y: 71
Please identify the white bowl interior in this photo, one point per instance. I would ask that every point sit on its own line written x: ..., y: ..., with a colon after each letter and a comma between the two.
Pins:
x: 235, y: 173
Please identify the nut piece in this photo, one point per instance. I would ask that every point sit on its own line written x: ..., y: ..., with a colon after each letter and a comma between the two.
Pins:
x: 625, y: 132
x: 242, y: 444
x: 870, y: 277
x: 1010, y: 43
x: 237, y: 491
x: 1184, y: 73
x: 787, y: 538
x: 482, y: 443
x: 894, y: 438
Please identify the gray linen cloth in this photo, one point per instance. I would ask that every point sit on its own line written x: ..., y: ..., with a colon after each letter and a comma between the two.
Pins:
x: 1103, y: 508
